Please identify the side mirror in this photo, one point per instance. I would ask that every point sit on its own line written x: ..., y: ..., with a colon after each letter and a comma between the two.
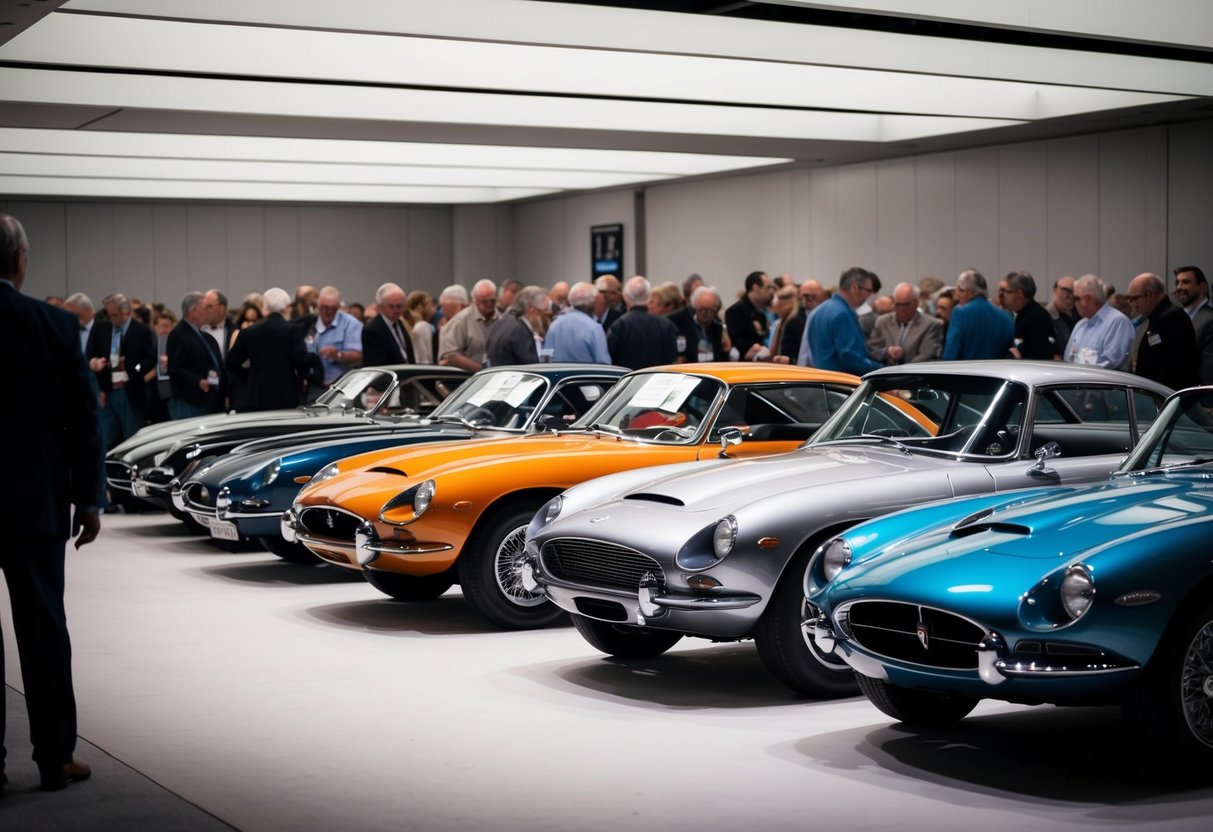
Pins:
x: 728, y: 436
x: 1045, y: 451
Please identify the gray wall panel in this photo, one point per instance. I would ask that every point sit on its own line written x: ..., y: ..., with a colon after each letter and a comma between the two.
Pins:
x: 388, y: 235
x: 801, y: 219
x: 896, y: 224
x: 45, y: 225
x: 977, y: 205
x: 90, y: 248
x: 356, y: 276
x: 482, y: 243
x: 282, y: 267
x: 1161, y: 175
x: 172, y: 272
x: 858, y: 241
x: 135, y: 251
x: 1073, y: 211
x: 540, y: 240
x: 935, y: 217
x: 1023, y: 212
x: 319, y: 262
x: 428, y: 265
x: 206, y: 247
x: 823, y: 227
x: 1123, y: 206
x: 245, y: 252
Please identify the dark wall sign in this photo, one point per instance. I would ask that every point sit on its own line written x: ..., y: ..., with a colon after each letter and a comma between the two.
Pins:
x: 606, y: 251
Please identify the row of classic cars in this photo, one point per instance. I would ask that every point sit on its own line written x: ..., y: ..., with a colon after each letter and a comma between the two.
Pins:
x: 686, y: 501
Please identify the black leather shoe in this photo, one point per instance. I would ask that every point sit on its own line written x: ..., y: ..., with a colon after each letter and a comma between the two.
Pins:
x: 71, y: 772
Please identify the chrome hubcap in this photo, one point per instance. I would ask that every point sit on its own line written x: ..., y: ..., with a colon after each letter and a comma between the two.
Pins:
x: 1196, y: 685
x: 508, y: 563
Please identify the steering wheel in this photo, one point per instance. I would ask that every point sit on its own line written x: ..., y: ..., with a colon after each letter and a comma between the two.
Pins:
x: 480, y: 414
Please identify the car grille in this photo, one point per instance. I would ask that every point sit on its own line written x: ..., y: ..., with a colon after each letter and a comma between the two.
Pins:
x: 330, y: 523
x: 118, y: 472
x: 595, y: 563
x: 912, y: 633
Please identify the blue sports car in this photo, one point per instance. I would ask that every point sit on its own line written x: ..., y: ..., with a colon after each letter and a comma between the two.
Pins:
x: 1088, y: 595
x: 242, y: 495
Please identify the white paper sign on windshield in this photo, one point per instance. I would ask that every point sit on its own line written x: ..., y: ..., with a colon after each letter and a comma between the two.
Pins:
x: 495, y: 388
x: 664, y: 392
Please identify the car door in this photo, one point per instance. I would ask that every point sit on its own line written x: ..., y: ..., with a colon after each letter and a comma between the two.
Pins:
x: 1090, y: 424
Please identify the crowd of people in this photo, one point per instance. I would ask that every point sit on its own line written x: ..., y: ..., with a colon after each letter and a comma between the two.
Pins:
x: 278, y: 350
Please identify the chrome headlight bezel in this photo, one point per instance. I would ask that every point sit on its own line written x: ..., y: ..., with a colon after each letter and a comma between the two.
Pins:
x: 1077, y: 591
x: 724, y: 536
x: 326, y: 473
x: 835, y: 556
x: 409, y: 504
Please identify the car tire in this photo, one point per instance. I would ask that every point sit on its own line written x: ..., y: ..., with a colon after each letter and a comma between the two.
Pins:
x: 489, y: 572
x: 916, y: 708
x: 409, y: 587
x: 293, y: 552
x: 786, y: 648
x: 1172, y: 704
x: 625, y: 641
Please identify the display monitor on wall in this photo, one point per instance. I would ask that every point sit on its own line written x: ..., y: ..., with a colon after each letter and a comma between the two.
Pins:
x: 606, y: 250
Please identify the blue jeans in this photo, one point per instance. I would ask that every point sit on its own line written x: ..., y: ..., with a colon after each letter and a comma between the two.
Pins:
x: 178, y: 409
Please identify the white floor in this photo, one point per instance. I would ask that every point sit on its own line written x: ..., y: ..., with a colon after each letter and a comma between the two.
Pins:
x: 276, y: 696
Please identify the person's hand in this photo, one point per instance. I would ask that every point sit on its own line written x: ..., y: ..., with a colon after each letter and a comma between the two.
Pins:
x: 97, y: 364
x: 895, y: 353
x: 85, y: 526
x: 204, y: 385
x: 329, y: 352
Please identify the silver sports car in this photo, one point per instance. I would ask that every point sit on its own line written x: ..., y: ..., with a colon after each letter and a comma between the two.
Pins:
x: 719, y: 551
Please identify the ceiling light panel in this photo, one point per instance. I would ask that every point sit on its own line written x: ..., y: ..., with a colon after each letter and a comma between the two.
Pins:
x: 635, y: 30
x: 254, y: 148
x: 254, y: 191
x: 324, y: 101
x: 174, y: 46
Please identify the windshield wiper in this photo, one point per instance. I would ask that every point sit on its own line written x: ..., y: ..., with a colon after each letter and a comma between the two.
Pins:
x: 603, y: 428
x: 457, y: 419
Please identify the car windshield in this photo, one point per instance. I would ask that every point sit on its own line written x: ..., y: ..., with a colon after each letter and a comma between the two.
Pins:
x: 667, y: 408
x: 503, y: 399
x: 362, y: 389
x: 1181, y: 436
x: 948, y: 414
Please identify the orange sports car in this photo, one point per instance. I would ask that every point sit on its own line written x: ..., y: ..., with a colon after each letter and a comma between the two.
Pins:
x: 415, y: 521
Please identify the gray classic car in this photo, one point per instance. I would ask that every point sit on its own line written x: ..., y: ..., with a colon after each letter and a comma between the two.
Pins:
x: 719, y: 551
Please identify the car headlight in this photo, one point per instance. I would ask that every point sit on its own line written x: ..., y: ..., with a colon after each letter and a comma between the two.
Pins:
x: 725, y: 536
x: 1077, y: 591
x: 552, y: 510
x: 421, y: 500
x: 326, y: 473
x: 834, y: 556
x: 271, y: 472
x: 409, y: 504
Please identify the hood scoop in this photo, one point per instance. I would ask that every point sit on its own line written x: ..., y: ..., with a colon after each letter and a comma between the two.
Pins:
x: 655, y: 498
x: 990, y: 526
x: 386, y: 470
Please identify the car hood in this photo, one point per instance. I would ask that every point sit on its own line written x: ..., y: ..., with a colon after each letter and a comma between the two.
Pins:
x: 723, y: 488
x: 1020, y: 540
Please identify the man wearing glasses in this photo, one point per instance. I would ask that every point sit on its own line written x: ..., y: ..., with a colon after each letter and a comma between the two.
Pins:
x: 978, y: 328
x: 833, y: 339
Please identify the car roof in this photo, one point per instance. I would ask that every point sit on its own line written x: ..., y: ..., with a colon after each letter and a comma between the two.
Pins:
x: 1029, y: 372
x: 750, y: 372
x: 561, y: 369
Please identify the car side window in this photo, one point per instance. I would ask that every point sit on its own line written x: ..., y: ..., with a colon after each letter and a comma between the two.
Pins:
x: 1146, y: 407
x: 572, y: 400
x: 778, y: 413
x: 1083, y: 420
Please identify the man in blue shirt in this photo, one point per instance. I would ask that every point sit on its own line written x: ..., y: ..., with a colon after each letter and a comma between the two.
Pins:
x: 338, y: 336
x: 1103, y: 335
x: 574, y: 335
x: 833, y: 337
x: 978, y: 328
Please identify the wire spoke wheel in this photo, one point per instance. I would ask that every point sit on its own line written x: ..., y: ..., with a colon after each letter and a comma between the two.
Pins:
x: 507, y: 565
x: 1196, y: 685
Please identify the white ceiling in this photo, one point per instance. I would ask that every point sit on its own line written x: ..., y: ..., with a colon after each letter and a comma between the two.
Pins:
x: 412, y: 101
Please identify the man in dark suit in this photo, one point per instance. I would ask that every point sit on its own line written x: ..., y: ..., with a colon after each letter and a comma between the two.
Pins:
x: 195, y: 370
x: 1035, y: 333
x: 275, y: 356
x: 514, y: 337
x: 122, y: 353
x: 906, y: 334
x: 640, y: 339
x: 1167, y: 352
x: 608, y: 305
x: 698, y: 323
x: 385, y: 340
x: 746, y: 320
x: 56, y: 446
